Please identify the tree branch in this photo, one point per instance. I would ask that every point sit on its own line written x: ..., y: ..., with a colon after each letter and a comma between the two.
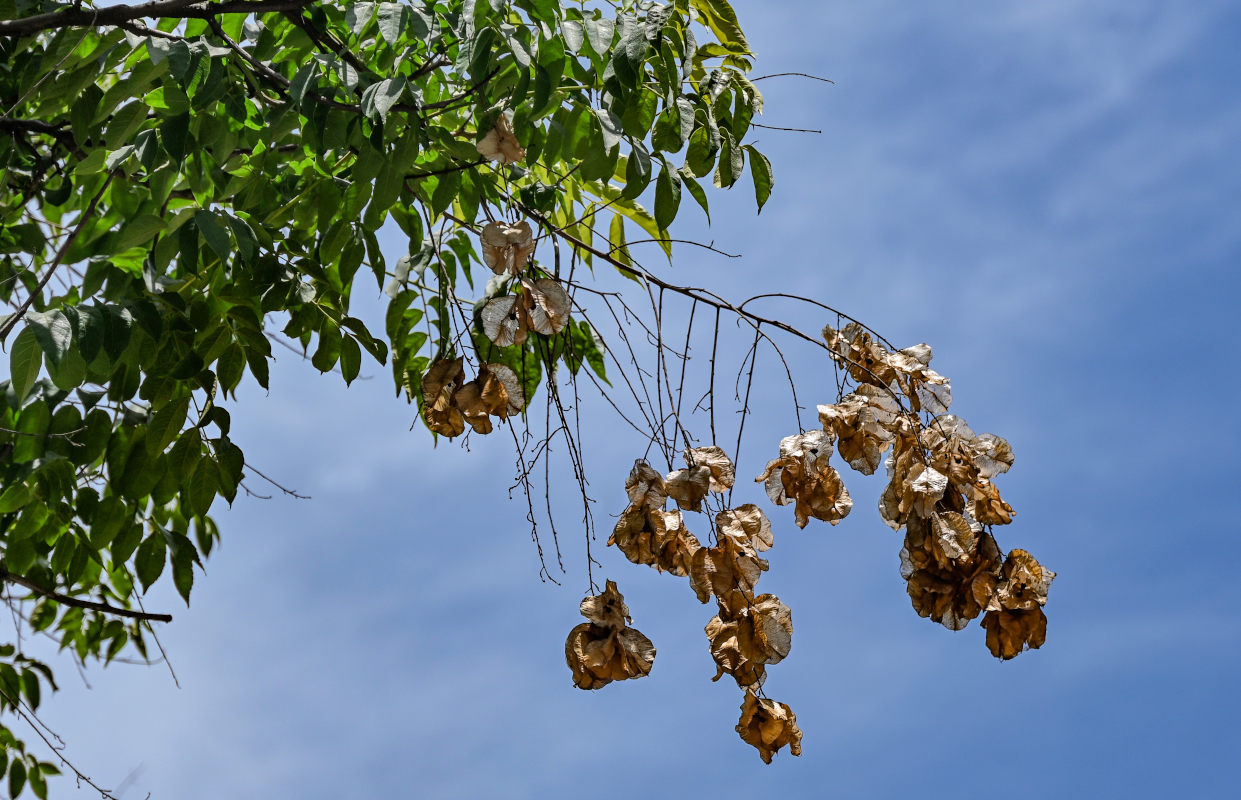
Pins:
x: 75, y: 602
x: 158, y: 9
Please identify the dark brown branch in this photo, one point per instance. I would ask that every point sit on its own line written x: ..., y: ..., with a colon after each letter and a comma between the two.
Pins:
x: 75, y: 602
x: 77, y: 16
x: 778, y: 128
x: 674, y: 241
x: 794, y: 74
x: 326, y: 41
x: 31, y: 126
x: 290, y: 492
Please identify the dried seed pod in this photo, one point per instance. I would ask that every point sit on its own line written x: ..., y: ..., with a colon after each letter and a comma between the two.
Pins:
x: 803, y: 476
x: 950, y: 592
x: 645, y: 486
x: 502, y: 394
x: 500, y: 143
x: 723, y: 474
x: 767, y: 726
x: 439, y: 384
x: 864, y: 423
x: 726, y: 652
x: 507, y: 247
x: 548, y: 306
x: 605, y: 649
x: 505, y: 320
x: 986, y: 505
x: 748, y: 525
x: 727, y: 566
x: 688, y: 487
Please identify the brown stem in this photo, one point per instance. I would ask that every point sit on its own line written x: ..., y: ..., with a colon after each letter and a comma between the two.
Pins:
x: 158, y: 9
x: 75, y: 602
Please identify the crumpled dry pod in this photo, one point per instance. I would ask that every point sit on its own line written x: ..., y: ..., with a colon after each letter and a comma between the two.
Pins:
x: 439, y: 384
x: 688, y: 487
x: 505, y: 320
x: 733, y: 643
x: 748, y: 524
x: 726, y: 652
x: 1015, y: 618
x: 907, y: 371
x: 717, y: 462
x: 950, y: 591
x: 542, y: 306
x: 500, y: 143
x: 496, y: 392
x: 864, y: 425
x: 802, y: 475
x: 864, y: 358
x: 767, y: 726
x: 547, y: 306
x: 731, y: 564
x: 985, y: 504
x: 507, y: 247
x: 763, y: 625
x: 963, y: 455
x: 605, y: 649
x: 645, y: 486
x: 656, y: 538
x: 914, y: 488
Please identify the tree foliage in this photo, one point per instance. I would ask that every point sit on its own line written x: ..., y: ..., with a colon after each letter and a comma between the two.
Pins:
x: 185, y: 184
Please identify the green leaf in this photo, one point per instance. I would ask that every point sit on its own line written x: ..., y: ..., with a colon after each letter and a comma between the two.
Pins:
x: 14, y: 497
x: 215, y: 234
x: 574, y: 34
x: 17, y: 778
x: 379, y: 98
x: 139, y: 230
x: 328, y: 352
x: 637, y: 170
x: 203, y: 485
x: 350, y: 358
x: 760, y: 172
x: 722, y: 21
x: 392, y: 21
x: 149, y: 562
x: 32, y: 425
x: 696, y: 191
x: 599, y: 33
x: 54, y: 332
x: 304, y: 81
x: 25, y: 361
x: 166, y: 424
x: 667, y: 196
x: 38, y: 785
x: 125, y: 542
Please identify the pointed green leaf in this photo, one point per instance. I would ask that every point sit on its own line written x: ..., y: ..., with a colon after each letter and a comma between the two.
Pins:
x: 25, y: 361
x: 760, y: 172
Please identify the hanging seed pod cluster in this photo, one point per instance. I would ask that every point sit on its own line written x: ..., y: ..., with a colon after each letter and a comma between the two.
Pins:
x: 750, y: 631
x: 939, y: 492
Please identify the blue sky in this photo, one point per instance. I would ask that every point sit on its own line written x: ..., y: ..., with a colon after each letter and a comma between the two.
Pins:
x: 1046, y: 192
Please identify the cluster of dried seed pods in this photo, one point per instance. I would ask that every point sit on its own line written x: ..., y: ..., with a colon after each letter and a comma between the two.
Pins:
x: 939, y: 490
x: 449, y: 402
x: 606, y: 649
x: 539, y: 305
x: 749, y: 631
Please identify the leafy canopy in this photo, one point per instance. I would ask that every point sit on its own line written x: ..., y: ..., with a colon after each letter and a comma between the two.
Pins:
x: 181, y: 181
